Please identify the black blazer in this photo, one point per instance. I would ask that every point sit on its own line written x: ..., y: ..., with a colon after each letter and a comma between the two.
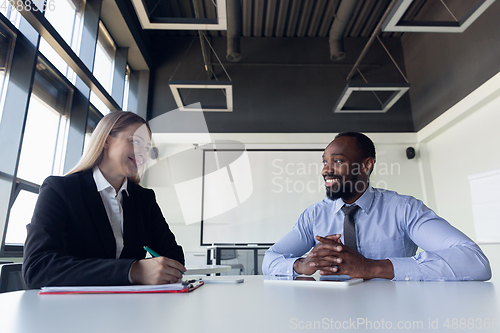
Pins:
x: 70, y: 241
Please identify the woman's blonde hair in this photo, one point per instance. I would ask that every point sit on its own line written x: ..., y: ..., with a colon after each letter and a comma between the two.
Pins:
x: 113, y: 123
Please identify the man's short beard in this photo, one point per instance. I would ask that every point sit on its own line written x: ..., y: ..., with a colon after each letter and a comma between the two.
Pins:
x: 346, y: 189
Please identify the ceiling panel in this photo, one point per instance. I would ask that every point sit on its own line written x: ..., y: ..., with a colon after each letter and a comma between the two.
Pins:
x: 284, y: 18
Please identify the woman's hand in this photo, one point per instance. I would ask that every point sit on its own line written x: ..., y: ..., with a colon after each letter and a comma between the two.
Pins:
x: 158, y: 270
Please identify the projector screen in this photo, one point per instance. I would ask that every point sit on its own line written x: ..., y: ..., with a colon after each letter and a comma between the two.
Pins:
x: 486, y: 206
x: 256, y: 196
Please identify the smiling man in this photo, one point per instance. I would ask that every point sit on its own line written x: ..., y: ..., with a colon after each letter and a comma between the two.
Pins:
x: 368, y: 233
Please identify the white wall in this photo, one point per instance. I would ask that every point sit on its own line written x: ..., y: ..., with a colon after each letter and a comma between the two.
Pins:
x: 394, y: 171
x: 468, y: 146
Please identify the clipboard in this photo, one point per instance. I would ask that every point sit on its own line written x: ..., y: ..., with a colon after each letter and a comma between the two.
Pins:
x: 133, y: 289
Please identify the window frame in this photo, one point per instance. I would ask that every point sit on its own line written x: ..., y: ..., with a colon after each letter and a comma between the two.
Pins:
x: 8, y: 65
x: 107, y: 42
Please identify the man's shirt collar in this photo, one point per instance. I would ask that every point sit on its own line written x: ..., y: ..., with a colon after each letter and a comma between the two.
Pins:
x: 364, y: 202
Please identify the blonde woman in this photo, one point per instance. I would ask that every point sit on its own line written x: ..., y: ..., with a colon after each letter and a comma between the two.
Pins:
x: 90, y: 226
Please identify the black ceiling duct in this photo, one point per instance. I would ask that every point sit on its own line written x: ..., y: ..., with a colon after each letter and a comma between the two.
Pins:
x: 342, y: 18
x: 233, y: 9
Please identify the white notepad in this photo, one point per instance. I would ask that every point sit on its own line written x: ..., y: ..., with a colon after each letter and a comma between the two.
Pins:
x: 325, y: 281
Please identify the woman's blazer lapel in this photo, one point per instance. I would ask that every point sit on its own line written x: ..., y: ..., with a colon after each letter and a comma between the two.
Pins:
x: 134, y: 238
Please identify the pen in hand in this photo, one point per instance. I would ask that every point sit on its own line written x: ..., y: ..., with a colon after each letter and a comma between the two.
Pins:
x: 155, y: 254
x: 151, y: 251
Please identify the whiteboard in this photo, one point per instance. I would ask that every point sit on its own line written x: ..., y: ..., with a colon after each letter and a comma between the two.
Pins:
x: 486, y: 206
x: 256, y: 196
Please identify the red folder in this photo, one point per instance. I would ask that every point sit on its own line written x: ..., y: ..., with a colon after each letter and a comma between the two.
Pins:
x: 133, y: 289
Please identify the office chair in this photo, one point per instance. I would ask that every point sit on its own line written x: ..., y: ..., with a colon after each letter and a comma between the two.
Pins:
x: 230, y: 254
x: 11, y: 277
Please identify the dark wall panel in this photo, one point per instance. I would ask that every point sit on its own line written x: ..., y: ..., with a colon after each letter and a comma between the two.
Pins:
x: 282, y: 85
x: 443, y: 68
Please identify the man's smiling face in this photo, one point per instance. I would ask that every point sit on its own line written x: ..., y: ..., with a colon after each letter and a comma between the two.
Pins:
x: 343, y: 170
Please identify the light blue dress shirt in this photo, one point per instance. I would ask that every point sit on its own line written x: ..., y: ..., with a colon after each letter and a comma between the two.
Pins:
x: 388, y: 226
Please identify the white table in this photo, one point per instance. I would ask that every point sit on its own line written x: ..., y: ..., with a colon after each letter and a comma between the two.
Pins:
x: 207, y: 269
x: 255, y: 306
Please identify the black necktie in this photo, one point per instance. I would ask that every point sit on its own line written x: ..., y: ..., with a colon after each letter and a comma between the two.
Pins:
x: 349, y: 229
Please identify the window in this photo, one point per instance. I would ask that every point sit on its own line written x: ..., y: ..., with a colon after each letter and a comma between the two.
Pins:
x: 67, y: 18
x: 4, y: 7
x: 42, y: 150
x: 7, y: 39
x: 104, y: 65
x: 10, y: 13
x: 44, y: 134
x: 20, y: 215
x: 39, y: 116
